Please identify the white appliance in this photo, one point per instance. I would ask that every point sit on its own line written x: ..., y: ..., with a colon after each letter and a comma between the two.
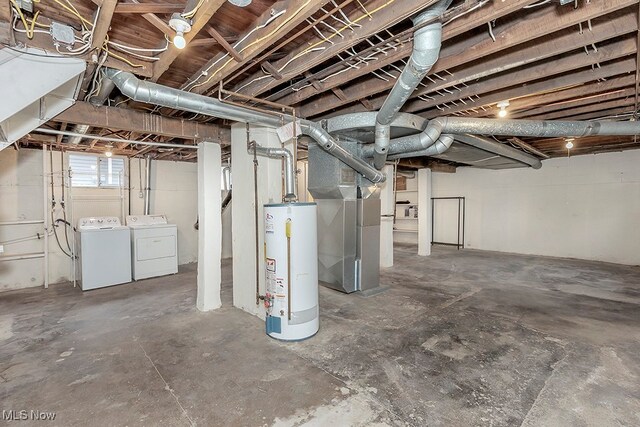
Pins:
x: 291, y: 251
x: 154, y: 246
x: 105, y: 252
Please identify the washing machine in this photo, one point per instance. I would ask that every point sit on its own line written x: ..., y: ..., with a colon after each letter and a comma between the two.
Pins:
x: 105, y: 252
x: 154, y: 246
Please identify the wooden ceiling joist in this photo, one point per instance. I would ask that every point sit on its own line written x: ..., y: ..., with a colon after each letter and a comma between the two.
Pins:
x: 381, y: 15
x: 459, y: 26
x: 199, y: 21
x: 614, y: 68
x: 468, y: 50
x: 141, y: 8
x: 255, y: 42
x: 105, y: 14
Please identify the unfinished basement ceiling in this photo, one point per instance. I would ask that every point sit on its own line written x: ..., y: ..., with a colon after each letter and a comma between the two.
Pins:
x: 577, y: 61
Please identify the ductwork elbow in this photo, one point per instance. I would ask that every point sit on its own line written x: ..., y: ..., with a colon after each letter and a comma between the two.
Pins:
x: 328, y: 144
x: 426, y: 49
x: 289, y: 170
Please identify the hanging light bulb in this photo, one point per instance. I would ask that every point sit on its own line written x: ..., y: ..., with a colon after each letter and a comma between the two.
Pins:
x: 502, y: 105
x: 181, y: 26
x: 109, y: 151
x: 569, y: 144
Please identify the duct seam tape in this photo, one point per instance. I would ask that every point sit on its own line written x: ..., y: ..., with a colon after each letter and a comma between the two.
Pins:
x: 286, y: 132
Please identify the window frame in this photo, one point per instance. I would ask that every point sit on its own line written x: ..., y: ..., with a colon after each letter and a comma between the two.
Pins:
x: 99, y: 184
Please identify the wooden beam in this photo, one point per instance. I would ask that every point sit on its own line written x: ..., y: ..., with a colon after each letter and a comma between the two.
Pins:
x: 381, y: 14
x: 547, y: 68
x: 437, y: 166
x: 5, y: 22
x: 203, y: 42
x: 230, y: 50
x: 573, y: 103
x: 136, y: 121
x: 43, y: 41
x: 271, y: 70
x: 520, y: 105
x: 591, y: 108
x: 461, y: 25
x: 508, y: 37
x: 160, y: 24
x: 103, y: 23
x: 570, y: 62
x: 256, y: 42
x: 149, y: 7
x: 615, y: 68
x: 201, y: 18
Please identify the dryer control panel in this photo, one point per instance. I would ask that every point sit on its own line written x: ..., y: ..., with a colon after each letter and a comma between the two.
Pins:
x: 146, y: 220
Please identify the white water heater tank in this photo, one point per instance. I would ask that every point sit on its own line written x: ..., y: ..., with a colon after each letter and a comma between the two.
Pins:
x: 291, y: 252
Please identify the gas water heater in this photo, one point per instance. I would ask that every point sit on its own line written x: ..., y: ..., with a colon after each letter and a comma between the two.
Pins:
x: 291, y: 252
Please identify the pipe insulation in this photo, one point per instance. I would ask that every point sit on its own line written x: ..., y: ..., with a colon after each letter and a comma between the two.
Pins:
x: 153, y: 93
x: 426, y: 50
x: 289, y: 170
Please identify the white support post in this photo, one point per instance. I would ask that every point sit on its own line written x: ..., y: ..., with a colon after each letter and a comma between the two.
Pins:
x: 243, y: 212
x: 210, y: 227
x: 424, y: 212
x: 387, y: 209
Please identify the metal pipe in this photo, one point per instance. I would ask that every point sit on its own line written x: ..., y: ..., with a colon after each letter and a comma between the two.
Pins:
x: 440, y: 146
x: 110, y: 139
x: 22, y: 222
x: 153, y: 93
x: 24, y: 256
x: 147, y: 188
x: 412, y: 143
x: 426, y: 49
x: 289, y: 168
x: 536, y: 128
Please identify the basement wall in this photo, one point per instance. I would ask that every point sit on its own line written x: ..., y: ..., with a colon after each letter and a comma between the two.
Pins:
x: 585, y: 207
x: 174, y: 193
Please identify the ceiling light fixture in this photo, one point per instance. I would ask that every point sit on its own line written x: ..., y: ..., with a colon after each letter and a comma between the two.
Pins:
x: 240, y: 3
x: 502, y: 105
x: 181, y: 26
x: 109, y: 151
x: 569, y: 143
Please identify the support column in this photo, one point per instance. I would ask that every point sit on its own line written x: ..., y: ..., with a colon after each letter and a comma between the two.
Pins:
x: 424, y: 212
x: 243, y: 214
x: 210, y: 227
x: 387, y: 209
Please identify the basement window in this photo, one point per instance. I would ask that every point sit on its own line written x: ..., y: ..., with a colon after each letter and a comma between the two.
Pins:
x: 96, y: 171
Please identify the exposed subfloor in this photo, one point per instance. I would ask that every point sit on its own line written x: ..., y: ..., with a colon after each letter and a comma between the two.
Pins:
x: 461, y: 338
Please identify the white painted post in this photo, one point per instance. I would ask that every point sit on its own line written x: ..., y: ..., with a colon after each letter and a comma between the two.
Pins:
x: 210, y: 227
x: 387, y: 208
x: 424, y: 212
x: 243, y: 214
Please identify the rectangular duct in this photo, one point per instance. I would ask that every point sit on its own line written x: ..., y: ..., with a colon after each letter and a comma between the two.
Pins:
x: 35, y: 88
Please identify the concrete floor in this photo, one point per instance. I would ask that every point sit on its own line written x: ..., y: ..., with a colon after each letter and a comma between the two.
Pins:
x: 460, y: 338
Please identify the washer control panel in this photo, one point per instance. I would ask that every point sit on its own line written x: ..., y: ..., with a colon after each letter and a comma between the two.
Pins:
x: 98, y: 222
x: 146, y: 220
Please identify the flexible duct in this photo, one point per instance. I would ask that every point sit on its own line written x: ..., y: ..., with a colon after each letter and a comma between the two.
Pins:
x: 426, y: 49
x: 289, y: 170
x: 439, y: 147
x: 106, y: 87
x: 153, y: 93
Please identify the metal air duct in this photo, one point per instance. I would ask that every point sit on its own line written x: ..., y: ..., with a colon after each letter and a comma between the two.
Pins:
x: 426, y: 49
x: 153, y: 93
x: 289, y: 170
